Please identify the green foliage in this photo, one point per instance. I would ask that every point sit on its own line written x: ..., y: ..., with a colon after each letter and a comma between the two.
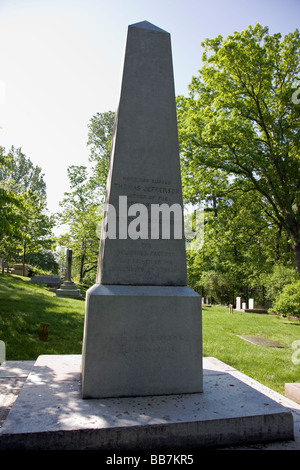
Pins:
x: 81, y: 216
x: 288, y: 301
x: 216, y: 286
x: 240, y: 141
x: 99, y: 140
x: 43, y: 262
x: 10, y: 203
x: 26, y: 226
x: 19, y: 329
x: 24, y: 306
x: 272, y: 367
x: 276, y: 280
x: 82, y: 212
x: 22, y: 174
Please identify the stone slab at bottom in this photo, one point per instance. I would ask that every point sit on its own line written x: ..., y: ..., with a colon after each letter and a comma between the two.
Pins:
x: 50, y: 413
x: 292, y: 391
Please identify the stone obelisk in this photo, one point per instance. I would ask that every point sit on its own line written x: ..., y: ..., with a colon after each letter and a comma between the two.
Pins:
x: 142, y: 331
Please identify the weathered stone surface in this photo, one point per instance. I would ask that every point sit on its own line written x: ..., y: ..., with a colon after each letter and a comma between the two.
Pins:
x: 69, y: 289
x: 234, y: 410
x: 142, y: 340
x: 292, y: 391
x: 144, y: 164
x: 48, y: 279
x: 142, y: 331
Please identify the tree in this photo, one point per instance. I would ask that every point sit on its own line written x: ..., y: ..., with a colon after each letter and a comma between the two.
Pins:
x: 288, y: 301
x: 240, y: 120
x: 22, y: 174
x: 10, y: 203
x: 36, y: 228
x: 99, y: 139
x: 80, y: 214
x: 81, y: 206
x: 29, y: 228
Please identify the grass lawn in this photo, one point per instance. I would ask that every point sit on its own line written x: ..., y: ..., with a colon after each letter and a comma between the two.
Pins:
x: 270, y: 366
x: 23, y: 306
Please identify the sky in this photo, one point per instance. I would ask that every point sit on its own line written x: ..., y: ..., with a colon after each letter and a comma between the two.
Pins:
x: 61, y: 62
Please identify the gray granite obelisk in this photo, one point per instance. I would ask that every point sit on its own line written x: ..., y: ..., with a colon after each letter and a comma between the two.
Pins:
x: 142, y: 331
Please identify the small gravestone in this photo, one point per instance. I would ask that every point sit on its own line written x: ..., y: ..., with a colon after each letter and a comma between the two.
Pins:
x: 238, y: 303
x: 20, y: 269
x: 251, y: 304
x: 50, y: 280
x: 69, y: 288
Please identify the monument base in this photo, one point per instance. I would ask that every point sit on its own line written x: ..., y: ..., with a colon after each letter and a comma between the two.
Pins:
x: 69, y: 289
x: 141, y: 340
x: 50, y: 414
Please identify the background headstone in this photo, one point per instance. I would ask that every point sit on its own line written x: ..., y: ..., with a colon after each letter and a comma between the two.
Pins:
x: 69, y: 288
x: 51, y: 280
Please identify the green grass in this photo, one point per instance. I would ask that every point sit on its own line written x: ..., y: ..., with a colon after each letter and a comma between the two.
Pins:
x: 270, y: 366
x: 23, y: 306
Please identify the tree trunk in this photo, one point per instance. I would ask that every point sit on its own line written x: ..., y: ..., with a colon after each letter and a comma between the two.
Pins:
x: 293, y: 229
x: 296, y: 251
x: 277, y: 243
x: 82, y: 259
x: 24, y: 258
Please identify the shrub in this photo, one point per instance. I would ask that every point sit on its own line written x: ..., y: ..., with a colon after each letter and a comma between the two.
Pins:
x: 217, y: 286
x: 274, y: 282
x: 288, y: 301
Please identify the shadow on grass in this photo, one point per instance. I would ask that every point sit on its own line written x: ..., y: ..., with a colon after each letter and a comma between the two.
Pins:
x: 23, y: 306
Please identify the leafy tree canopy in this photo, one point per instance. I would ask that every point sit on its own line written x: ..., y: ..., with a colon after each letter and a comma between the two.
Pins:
x: 241, y: 124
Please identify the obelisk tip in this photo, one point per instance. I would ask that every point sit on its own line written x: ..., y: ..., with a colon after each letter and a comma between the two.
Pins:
x: 149, y: 26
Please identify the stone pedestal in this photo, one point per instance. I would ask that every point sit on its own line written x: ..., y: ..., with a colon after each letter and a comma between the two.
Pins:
x: 141, y: 340
x: 69, y: 289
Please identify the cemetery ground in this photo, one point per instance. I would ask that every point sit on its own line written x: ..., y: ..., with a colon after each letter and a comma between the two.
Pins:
x: 24, y: 306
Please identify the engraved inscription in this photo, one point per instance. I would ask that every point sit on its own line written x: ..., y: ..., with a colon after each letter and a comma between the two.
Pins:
x: 146, y: 190
x: 168, y: 343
